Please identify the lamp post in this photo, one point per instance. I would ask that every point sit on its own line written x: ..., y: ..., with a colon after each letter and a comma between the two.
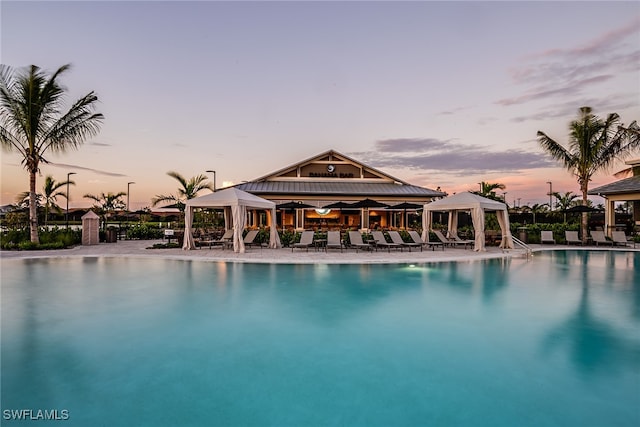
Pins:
x: 66, y: 214
x: 214, y: 179
x: 128, y: 185
x: 550, y: 194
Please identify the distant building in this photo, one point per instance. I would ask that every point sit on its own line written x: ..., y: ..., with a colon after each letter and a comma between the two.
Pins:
x: 329, y: 178
x: 623, y: 190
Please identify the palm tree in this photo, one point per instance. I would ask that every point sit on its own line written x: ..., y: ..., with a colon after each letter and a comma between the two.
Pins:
x: 538, y: 209
x: 50, y: 195
x: 565, y: 201
x: 107, y: 204
x: 187, y: 190
x: 594, y: 145
x: 488, y: 190
x: 33, y: 123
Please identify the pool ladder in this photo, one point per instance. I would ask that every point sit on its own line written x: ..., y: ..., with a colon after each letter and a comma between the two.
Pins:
x: 527, y: 248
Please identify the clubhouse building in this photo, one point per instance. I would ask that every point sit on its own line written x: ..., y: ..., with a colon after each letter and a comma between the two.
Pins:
x: 334, y: 191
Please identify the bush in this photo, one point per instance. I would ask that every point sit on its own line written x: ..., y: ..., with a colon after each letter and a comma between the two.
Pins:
x: 144, y: 232
x: 56, y: 238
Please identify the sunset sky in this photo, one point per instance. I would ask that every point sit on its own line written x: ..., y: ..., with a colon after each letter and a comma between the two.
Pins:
x: 439, y: 94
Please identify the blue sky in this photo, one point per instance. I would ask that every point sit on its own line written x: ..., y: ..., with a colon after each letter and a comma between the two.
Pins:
x: 436, y: 93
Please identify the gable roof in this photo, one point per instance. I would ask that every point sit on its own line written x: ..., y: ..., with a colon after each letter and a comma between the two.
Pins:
x: 465, y: 200
x: 627, y: 185
x: 329, y: 157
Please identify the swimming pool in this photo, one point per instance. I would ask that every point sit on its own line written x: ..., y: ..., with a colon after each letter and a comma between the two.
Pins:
x: 119, y: 341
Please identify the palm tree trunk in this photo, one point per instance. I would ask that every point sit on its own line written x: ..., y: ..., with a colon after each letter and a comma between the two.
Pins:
x: 585, y: 232
x: 33, y: 208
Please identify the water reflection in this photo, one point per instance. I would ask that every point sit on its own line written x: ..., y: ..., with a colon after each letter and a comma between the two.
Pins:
x: 592, y: 342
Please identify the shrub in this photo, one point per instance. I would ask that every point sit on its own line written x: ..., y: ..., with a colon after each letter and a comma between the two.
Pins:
x: 144, y: 232
x: 56, y: 238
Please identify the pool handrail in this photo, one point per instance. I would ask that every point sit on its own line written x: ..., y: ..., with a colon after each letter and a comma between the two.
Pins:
x: 522, y: 244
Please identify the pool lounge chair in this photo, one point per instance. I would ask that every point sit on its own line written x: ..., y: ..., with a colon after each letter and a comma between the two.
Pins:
x: 460, y: 241
x: 355, y: 241
x: 598, y: 237
x: 334, y: 241
x: 572, y: 237
x: 619, y: 238
x: 397, y: 239
x: 381, y: 241
x: 445, y: 241
x: 546, y: 236
x: 251, y: 239
x: 416, y: 238
x: 223, y: 241
x: 306, y: 240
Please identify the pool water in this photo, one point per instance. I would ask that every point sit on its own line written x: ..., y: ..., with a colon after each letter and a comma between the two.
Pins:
x: 552, y: 341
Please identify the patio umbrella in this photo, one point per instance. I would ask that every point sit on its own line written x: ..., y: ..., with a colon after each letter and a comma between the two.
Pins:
x: 368, y: 203
x: 338, y: 205
x: 293, y: 205
x: 405, y: 206
x: 580, y: 208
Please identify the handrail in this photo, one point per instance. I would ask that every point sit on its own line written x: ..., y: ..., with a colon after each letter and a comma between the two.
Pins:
x: 526, y: 247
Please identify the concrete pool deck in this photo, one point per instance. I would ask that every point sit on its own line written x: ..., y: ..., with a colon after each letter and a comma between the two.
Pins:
x: 139, y: 249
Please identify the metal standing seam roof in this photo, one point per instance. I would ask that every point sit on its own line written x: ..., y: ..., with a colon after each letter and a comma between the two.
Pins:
x: 627, y: 185
x: 337, y: 188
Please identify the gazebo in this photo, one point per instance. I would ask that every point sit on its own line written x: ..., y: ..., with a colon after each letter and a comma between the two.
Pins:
x: 235, y: 203
x: 477, y: 205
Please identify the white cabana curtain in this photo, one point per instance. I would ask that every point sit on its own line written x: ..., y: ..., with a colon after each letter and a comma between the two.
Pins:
x: 235, y: 204
x: 477, y: 206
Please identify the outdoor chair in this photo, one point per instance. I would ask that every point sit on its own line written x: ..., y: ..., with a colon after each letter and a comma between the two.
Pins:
x: 355, y: 241
x: 333, y: 240
x: 598, y: 237
x: 445, y: 241
x: 381, y: 241
x: 306, y: 240
x: 223, y: 241
x: 251, y: 239
x: 619, y: 238
x: 572, y: 237
x: 418, y: 239
x: 397, y: 239
x: 547, y: 237
x: 460, y: 241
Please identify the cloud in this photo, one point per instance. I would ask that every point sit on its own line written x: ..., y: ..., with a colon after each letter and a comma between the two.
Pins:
x: 558, y: 74
x: 76, y: 167
x: 99, y: 144
x: 429, y: 154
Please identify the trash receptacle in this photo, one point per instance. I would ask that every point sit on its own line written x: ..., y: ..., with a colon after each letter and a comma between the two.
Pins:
x: 112, y: 235
x: 522, y: 234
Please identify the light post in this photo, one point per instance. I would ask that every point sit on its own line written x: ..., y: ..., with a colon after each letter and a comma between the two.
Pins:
x: 128, y: 185
x: 550, y: 194
x: 504, y: 198
x: 66, y: 214
x: 214, y: 179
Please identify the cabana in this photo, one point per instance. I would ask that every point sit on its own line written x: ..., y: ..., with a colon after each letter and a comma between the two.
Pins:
x: 235, y: 203
x: 477, y: 205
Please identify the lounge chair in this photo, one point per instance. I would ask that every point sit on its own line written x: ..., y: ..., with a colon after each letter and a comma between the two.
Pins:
x: 546, y: 236
x: 223, y: 241
x: 355, y: 241
x: 619, y: 238
x: 306, y: 240
x: 572, y: 237
x: 416, y: 238
x: 460, y: 241
x: 333, y: 240
x: 381, y: 241
x: 397, y: 239
x: 599, y: 237
x: 251, y: 239
x: 445, y: 241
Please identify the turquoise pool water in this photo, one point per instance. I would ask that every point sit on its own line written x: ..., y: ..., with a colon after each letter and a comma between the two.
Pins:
x: 553, y: 341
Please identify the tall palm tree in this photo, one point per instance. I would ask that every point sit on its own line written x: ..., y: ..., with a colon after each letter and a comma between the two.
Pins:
x: 488, y: 189
x: 594, y: 145
x: 50, y: 195
x: 106, y: 204
x: 32, y: 121
x: 564, y: 202
x: 187, y: 190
